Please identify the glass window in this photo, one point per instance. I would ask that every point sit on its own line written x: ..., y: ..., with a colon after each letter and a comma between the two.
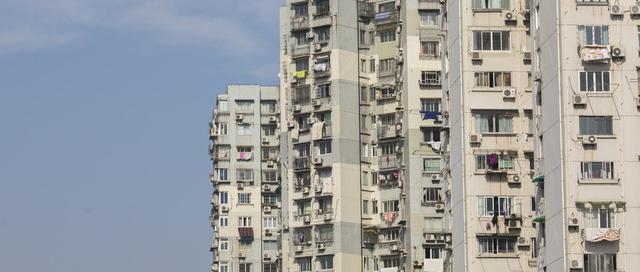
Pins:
x: 323, y: 34
x: 387, y: 36
x: 300, y: 9
x: 223, y: 106
x: 304, y: 264
x: 493, y: 79
x: 494, y: 162
x: 431, y: 165
x: 244, y: 198
x: 433, y: 253
x: 245, y: 267
x: 492, y: 245
x: 391, y: 206
x: 244, y: 129
x: 430, y: 77
x: 491, y: 4
x: 594, y: 35
x: 600, y: 263
x: 491, y: 41
x: 493, y: 122
x: 596, y: 170
x: 365, y: 206
x: 432, y: 105
x: 322, y: 7
x: 595, y: 81
x: 270, y: 267
x: 430, y: 134
x: 224, y: 197
x: 224, y: 221
x: 323, y: 90
x: 391, y: 262
x: 244, y: 221
x: 431, y: 195
x: 224, y: 244
x: 302, y: 64
x: 222, y: 129
x: 596, y: 125
x: 430, y: 49
x: 244, y: 175
x: 244, y: 106
x: 325, y: 147
x: 500, y: 205
x: 387, y: 65
x: 222, y: 174
x: 389, y: 235
x: 429, y: 17
x: 270, y: 222
x: 326, y: 262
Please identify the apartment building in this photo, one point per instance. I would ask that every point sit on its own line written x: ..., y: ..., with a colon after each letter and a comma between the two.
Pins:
x: 246, y: 206
x: 587, y: 150
x: 360, y: 89
x: 489, y: 142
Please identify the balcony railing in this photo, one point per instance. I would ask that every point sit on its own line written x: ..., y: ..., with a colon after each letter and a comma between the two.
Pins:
x: 300, y: 50
x: 387, y: 132
x: 385, y: 17
x: 300, y: 22
x: 365, y: 9
x: 387, y: 162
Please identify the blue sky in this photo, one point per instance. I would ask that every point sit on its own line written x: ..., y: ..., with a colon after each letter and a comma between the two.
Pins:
x: 104, y: 108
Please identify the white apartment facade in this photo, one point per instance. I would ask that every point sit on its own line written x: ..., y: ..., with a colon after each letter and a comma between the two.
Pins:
x: 587, y: 116
x: 246, y: 201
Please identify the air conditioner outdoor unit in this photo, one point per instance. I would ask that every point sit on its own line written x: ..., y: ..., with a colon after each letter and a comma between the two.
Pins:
x: 306, y: 219
x: 526, y: 55
x: 270, y: 163
x: 240, y: 185
x: 514, y: 179
x: 509, y: 93
x: 514, y: 224
x: 580, y: 99
x: 316, y: 103
x: 297, y: 108
x: 305, y: 190
x: 273, y: 119
x: 573, y: 222
x: 320, y: 246
x: 417, y: 263
x: 311, y: 120
x: 326, y: 217
x: 589, y: 139
x: 435, y: 177
x: 509, y: 16
x: 616, y: 10
x: 266, y: 256
x: 523, y: 241
x: 537, y: 76
x: 266, y: 187
x: 241, y: 255
x: 318, y: 188
x: 475, y: 138
x: 430, y: 237
x: 475, y: 56
x: 635, y: 10
x: 265, y: 140
x: 290, y: 124
x: 224, y: 209
x: 317, y: 160
x: 317, y: 47
x: 617, y: 52
x: 267, y: 232
x: 394, y: 248
x: 298, y: 248
x: 238, y: 117
x: 439, y: 206
x: 576, y: 264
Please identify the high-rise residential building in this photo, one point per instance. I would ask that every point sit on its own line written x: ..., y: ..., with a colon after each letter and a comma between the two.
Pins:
x: 587, y: 146
x: 244, y: 149
x: 360, y: 91
x: 489, y: 148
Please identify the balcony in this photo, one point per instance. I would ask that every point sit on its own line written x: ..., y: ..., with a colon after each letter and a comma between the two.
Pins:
x: 325, y: 214
x: 298, y: 50
x: 301, y: 163
x: 387, y: 162
x: 594, y: 53
x: 429, y: 4
x: 321, y: 70
x: 299, y: 23
x: 365, y: 9
x: 595, y: 235
x: 386, y: 17
x: 387, y: 72
x: 388, y: 131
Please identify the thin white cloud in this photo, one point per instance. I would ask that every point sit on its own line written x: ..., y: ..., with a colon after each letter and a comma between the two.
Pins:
x: 37, y: 24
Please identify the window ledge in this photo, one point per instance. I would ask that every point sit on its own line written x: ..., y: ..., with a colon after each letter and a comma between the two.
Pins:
x: 598, y: 181
x: 499, y: 255
x: 598, y: 136
x: 490, y: 89
x: 486, y: 9
x: 509, y: 134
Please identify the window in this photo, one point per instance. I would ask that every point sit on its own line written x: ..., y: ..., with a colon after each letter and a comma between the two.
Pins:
x: 491, y: 4
x: 430, y: 78
x: 433, y: 253
x: 269, y: 153
x: 390, y: 262
x: 270, y: 267
x: 325, y: 147
x: 593, y: 35
x: 223, y: 106
x: 244, y: 221
x: 270, y: 222
x: 431, y: 165
x: 372, y: 66
x: 269, y: 106
x: 494, y: 162
x: 222, y: 129
x: 270, y: 199
x: 601, y: 217
x: 600, y: 263
x: 301, y: 38
x: 244, y: 175
x: 245, y: 267
x: 244, y: 152
x: 224, y: 267
x: 493, y: 79
x: 304, y: 264
x: 386, y: 93
x: 491, y: 41
x: 432, y: 105
x: 244, y: 198
x: 365, y: 206
x: 302, y: 64
x: 596, y: 125
x: 270, y: 176
x: 534, y: 206
x: 224, y: 244
x: 326, y: 262
x: 303, y: 150
x: 429, y: 49
x: 388, y: 119
x: 374, y: 206
x: 528, y: 156
x: 387, y: 35
x: 429, y: 17
x: 493, y: 122
x: 387, y: 149
x: 430, y: 134
x: 301, y: 95
x: 303, y: 207
x: 431, y: 195
x: 500, y: 205
x: 535, y: 251
x: 269, y: 130
x: 323, y: 34
x: 595, y: 81
x: 596, y: 170
x: 224, y: 197
x: 387, y: 65
x: 224, y: 221
x: 222, y: 174
x: 244, y: 129
x: 322, y: 7
x: 244, y: 105
x: 389, y: 235
x: 323, y: 90
x: 391, y: 206
x: 493, y: 245
x: 300, y: 10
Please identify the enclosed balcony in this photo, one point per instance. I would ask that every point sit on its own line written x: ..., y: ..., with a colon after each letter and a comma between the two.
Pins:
x: 301, y: 163
x: 385, y: 17
x: 387, y: 162
x: 299, y: 23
